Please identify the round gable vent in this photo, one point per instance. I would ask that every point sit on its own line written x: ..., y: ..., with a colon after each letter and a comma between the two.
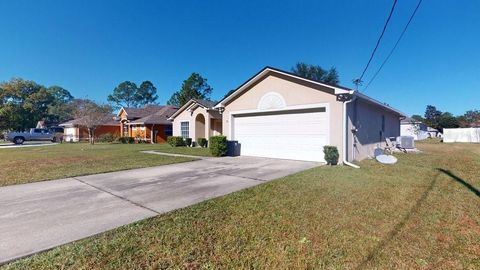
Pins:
x: 271, y: 100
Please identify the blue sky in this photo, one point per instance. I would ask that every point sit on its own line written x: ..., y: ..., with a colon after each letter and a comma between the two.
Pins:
x: 88, y: 47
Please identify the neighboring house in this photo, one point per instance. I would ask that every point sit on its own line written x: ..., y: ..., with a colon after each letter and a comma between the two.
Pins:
x: 46, y: 124
x: 278, y: 114
x: 414, y: 128
x: 149, y: 124
x: 73, y: 132
x: 197, y: 119
x: 433, y: 132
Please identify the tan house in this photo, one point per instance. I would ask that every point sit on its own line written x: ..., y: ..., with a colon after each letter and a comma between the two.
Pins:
x: 73, y: 132
x: 197, y: 119
x: 148, y: 124
x: 278, y: 114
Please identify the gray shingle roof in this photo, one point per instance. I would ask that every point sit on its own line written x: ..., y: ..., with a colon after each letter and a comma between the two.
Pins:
x: 107, y: 121
x: 136, y: 113
x: 206, y: 103
x: 158, y: 118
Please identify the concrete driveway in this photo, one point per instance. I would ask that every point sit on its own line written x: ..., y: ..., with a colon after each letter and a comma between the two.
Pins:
x: 39, y: 216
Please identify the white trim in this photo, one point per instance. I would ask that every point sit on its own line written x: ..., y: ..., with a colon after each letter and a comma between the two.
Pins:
x: 187, y: 106
x: 267, y: 70
x: 288, y: 108
x: 122, y: 109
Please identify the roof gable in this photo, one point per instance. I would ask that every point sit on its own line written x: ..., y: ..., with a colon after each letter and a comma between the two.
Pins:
x: 267, y: 71
x: 206, y: 104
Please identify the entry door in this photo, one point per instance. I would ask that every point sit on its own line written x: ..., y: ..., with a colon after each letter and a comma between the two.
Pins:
x: 298, y: 135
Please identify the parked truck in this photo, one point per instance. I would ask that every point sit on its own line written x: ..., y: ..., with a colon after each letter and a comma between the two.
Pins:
x: 35, y: 134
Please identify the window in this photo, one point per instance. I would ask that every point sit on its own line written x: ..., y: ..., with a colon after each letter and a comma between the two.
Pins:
x: 168, y: 131
x: 184, y: 128
x: 142, y: 127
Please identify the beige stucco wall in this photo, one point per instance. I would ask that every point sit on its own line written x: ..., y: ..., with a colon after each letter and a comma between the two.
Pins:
x: 187, y: 116
x: 367, y: 119
x: 295, y: 92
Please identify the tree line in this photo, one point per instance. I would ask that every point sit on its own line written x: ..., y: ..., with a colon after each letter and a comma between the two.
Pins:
x: 24, y: 102
x: 439, y: 120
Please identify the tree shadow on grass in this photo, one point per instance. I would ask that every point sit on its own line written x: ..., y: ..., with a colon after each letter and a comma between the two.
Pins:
x: 399, y: 226
x: 461, y: 181
x: 412, y: 211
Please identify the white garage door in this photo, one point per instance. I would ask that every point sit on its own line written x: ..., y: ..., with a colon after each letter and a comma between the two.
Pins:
x: 298, y: 135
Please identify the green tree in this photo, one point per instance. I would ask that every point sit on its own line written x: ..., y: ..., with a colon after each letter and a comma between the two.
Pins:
x: 418, y: 118
x: 317, y: 73
x: 194, y: 87
x: 229, y: 93
x: 447, y: 120
x: 59, y: 109
x: 124, y: 95
x: 24, y: 103
x: 472, y: 116
x: 432, y: 116
x: 146, y: 94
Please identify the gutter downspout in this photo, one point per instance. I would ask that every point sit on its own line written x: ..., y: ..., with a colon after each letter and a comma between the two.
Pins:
x: 345, y: 133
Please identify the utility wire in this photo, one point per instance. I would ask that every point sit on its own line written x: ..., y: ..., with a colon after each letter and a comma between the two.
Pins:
x: 378, y: 42
x: 396, y: 44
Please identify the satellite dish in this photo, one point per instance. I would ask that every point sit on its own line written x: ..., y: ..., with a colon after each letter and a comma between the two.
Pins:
x: 386, y: 159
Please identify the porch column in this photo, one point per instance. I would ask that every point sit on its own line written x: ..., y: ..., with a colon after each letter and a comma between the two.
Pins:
x: 207, y: 126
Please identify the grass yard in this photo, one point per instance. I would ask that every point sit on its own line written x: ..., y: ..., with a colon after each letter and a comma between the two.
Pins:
x: 32, y: 164
x: 422, y: 213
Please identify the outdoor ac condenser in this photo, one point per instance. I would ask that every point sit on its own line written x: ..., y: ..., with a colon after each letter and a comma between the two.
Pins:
x: 406, y: 142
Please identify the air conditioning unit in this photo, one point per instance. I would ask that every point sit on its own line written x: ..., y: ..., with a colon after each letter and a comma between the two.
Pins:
x: 407, y: 142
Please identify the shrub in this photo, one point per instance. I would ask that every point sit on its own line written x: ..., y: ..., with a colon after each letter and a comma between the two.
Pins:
x: 218, y: 146
x: 126, y: 140
x: 106, y: 138
x: 331, y: 154
x: 175, y: 141
x: 202, y: 142
x: 188, y: 142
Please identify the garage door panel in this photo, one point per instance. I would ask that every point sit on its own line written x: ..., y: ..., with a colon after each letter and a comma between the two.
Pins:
x: 284, y: 135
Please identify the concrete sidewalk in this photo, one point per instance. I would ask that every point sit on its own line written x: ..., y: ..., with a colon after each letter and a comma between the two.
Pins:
x: 39, y: 216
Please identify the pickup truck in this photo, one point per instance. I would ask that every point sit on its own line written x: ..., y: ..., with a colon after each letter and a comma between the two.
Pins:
x: 35, y: 134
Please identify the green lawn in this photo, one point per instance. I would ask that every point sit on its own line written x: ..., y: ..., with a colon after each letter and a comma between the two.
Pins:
x: 422, y: 213
x: 31, y: 164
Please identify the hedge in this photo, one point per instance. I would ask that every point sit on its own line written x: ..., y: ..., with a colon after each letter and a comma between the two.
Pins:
x: 202, y: 142
x: 175, y: 141
x: 218, y: 146
x: 126, y: 140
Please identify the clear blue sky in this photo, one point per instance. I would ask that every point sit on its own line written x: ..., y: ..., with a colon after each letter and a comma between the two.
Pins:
x: 88, y: 47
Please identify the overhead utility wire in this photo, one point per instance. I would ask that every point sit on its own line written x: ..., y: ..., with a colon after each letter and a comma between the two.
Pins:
x: 359, y: 80
x: 396, y: 44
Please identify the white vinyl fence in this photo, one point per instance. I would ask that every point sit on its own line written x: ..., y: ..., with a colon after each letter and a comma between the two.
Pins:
x: 471, y: 135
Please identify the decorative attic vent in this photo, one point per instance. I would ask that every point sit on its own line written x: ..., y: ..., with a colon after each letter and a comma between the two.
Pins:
x: 270, y: 101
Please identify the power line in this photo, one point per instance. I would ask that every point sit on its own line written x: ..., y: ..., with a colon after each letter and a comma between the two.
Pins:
x: 396, y: 44
x: 359, y: 80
